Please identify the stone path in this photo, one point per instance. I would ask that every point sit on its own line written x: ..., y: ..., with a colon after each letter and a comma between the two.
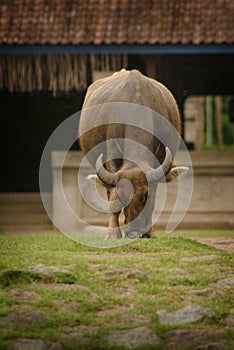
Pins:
x: 137, y: 329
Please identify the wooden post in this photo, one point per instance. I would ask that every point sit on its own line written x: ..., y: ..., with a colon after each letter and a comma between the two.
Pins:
x: 218, y: 117
x: 208, y: 121
x: 200, y: 123
x: 150, y: 65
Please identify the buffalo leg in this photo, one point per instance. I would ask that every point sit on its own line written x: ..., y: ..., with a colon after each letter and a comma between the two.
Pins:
x: 115, y: 231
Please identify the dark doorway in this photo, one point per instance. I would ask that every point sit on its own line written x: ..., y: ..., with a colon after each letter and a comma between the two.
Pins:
x: 27, y: 122
x: 188, y: 75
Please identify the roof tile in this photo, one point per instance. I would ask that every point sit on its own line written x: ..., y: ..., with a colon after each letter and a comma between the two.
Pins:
x: 116, y: 21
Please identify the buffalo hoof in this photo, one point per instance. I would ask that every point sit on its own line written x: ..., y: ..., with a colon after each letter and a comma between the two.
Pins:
x: 148, y: 235
x: 114, y: 235
x: 111, y: 237
x: 133, y: 234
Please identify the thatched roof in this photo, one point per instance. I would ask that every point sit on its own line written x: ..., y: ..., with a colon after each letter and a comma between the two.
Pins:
x: 95, y: 22
x: 57, y: 72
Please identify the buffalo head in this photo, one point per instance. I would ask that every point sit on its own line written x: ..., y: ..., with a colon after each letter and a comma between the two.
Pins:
x: 133, y: 190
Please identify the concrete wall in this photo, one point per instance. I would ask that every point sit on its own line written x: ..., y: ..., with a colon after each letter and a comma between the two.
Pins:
x: 212, y: 204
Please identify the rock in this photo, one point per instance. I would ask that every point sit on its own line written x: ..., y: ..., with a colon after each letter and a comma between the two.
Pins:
x: 212, y: 346
x: 41, y: 271
x: 93, y: 297
x: 66, y: 305
x: 128, y: 273
x: 189, y: 338
x: 178, y: 272
x: 61, y: 286
x: 226, y: 241
x: 199, y: 257
x: 185, y: 315
x: 214, y: 266
x: 22, y: 295
x: 207, y: 293
x: 175, y: 272
x: 136, y: 273
x: 27, y: 317
x: 38, y: 272
x: 111, y: 312
x: 34, y: 344
x: 75, y: 337
x: 228, y: 321
x: 227, y: 282
x: 45, y: 270
x: 220, y: 269
x: 124, y: 291
x: 132, y: 338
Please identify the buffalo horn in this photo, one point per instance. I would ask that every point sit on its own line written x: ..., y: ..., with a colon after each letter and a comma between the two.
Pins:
x: 105, y: 176
x: 162, y: 171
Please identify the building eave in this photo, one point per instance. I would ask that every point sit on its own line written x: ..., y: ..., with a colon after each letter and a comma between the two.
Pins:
x: 167, y: 49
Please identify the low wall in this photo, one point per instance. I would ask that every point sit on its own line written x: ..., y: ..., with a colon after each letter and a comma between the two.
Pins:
x: 24, y: 211
x: 212, y: 204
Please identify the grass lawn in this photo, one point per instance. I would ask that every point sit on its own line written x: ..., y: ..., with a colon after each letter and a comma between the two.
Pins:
x: 94, y: 291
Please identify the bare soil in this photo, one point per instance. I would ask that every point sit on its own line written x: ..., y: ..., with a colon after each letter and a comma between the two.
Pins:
x: 223, y: 243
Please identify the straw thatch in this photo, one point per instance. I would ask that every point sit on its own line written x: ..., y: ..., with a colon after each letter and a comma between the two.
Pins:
x: 54, y: 72
x: 108, y: 62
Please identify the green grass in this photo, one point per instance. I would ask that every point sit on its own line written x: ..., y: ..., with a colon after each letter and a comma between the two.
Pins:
x: 153, y: 284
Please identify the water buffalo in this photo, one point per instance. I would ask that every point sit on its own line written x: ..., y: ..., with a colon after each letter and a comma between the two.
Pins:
x: 115, y: 162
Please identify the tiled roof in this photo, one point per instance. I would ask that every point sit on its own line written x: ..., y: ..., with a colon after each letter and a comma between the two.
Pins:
x: 116, y: 21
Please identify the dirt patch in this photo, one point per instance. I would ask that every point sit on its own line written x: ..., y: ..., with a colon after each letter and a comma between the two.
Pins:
x: 226, y: 282
x: 22, y: 295
x: 74, y: 338
x: 118, y: 311
x: 60, y: 286
x: 83, y: 330
x: 111, y: 255
x: 126, y: 320
x: 223, y: 243
x: 207, y: 293
x: 199, y: 257
x: 124, y: 291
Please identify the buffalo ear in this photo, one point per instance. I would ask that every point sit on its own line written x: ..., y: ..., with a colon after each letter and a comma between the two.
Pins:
x: 175, y: 172
x: 95, y: 180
